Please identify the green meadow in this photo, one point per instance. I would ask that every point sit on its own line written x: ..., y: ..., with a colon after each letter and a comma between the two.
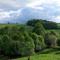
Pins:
x: 41, y: 57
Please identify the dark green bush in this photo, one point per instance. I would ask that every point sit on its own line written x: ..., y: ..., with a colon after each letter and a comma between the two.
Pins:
x: 50, y: 40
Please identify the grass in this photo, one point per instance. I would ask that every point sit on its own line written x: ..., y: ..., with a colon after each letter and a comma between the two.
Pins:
x: 10, y: 25
x: 48, y: 54
x: 51, y: 51
x: 41, y: 57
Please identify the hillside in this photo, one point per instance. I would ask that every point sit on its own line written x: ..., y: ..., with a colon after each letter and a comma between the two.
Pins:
x: 35, y: 38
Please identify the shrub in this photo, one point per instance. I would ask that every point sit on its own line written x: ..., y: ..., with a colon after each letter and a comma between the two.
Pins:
x: 50, y: 40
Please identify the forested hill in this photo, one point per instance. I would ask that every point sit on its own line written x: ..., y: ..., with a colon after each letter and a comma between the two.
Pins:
x: 28, y: 39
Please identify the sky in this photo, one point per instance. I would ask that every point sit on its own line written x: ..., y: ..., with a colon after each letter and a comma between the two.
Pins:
x: 22, y: 10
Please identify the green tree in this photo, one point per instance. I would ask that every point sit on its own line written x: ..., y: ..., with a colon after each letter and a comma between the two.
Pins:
x: 50, y: 25
x: 41, y: 40
x: 32, y: 22
x: 38, y: 41
x: 29, y: 44
x: 50, y: 40
x: 39, y: 29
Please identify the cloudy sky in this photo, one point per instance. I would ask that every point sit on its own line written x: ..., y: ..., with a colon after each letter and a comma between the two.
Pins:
x: 23, y: 10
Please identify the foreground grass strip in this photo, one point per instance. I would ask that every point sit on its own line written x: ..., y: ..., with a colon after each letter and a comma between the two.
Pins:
x: 41, y: 57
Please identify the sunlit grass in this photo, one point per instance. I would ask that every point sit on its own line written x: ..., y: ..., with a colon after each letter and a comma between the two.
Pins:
x: 41, y: 57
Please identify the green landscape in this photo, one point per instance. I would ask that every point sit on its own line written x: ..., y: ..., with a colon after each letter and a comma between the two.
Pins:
x: 36, y: 39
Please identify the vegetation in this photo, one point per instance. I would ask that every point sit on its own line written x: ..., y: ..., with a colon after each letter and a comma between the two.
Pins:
x: 42, y: 57
x: 33, y: 37
x: 51, y: 40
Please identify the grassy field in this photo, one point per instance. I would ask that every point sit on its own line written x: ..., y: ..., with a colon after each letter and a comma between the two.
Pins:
x: 41, y: 57
x: 48, y: 54
x: 38, y: 57
x: 10, y: 25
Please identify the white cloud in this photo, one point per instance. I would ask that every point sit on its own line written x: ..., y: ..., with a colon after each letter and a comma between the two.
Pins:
x: 36, y: 3
x: 9, y: 14
x: 56, y: 19
x: 4, y: 15
x: 46, y: 9
x: 33, y: 4
x: 12, y: 3
x: 57, y: 3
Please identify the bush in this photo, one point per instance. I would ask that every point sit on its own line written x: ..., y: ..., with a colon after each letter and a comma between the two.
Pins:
x: 42, y: 43
x: 50, y: 40
x: 38, y: 41
x: 28, y: 45
x: 58, y: 42
x: 39, y: 29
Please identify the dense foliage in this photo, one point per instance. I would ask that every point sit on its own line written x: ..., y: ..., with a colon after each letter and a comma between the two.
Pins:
x: 46, y: 24
x: 28, y: 39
